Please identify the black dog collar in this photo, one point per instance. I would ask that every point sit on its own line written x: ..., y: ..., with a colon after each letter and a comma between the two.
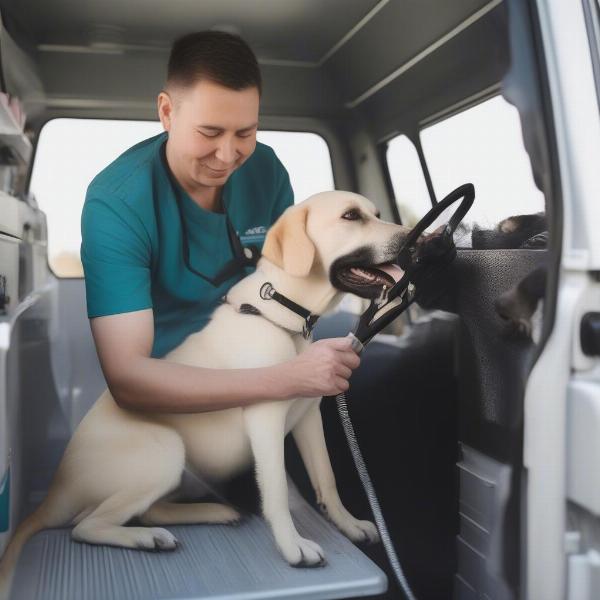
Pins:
x: 268, y: 292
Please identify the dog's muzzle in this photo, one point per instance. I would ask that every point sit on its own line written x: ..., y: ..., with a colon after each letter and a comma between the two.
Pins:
x: 359, y: 273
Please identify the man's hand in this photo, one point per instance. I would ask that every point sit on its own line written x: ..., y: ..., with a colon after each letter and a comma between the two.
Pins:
x: 323, y: 369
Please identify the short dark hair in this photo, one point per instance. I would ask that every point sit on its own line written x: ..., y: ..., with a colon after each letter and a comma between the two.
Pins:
x: 221, y: 57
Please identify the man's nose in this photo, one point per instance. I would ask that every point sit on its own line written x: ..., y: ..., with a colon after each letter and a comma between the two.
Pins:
x: 226, y: 150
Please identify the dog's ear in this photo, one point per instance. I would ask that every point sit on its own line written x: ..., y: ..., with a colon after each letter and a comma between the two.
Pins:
x: 287, y: 244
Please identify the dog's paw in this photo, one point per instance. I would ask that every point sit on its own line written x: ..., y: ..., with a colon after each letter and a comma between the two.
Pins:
x: 156, y: 538
x: 360, y: 531
x: 164, y: 539
x: 226, y: 514
x: 300, y: 552
x: 354, y: 529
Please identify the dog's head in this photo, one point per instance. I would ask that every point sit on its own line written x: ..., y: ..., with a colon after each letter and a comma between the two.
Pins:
x: 337, y: 236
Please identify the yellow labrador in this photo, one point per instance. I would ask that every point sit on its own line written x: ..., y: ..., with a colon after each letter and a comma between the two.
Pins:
x: 120, y: 464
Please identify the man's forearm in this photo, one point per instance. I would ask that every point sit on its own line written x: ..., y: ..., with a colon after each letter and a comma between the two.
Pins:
x: 157, y: 385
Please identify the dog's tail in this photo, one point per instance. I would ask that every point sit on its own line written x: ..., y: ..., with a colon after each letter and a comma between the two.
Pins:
x: 49, y: 514
x: 31, y: 525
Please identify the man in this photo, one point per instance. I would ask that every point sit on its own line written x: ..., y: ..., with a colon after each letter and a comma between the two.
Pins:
x: 142, y: 298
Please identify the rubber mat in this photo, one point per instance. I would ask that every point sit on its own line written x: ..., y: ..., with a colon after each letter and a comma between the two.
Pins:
x: 212, y: 561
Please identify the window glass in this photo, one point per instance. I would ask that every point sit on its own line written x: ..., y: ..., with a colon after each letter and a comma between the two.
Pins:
x: 408, y: 181
x: 71, y: 152
x: 484, y: 145
x: 307, y: 159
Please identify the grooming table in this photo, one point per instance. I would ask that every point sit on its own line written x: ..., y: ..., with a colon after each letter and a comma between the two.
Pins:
x: 219, y: 562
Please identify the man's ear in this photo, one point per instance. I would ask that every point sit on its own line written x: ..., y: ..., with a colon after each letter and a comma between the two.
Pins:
x: 287, y: 244
x: 164, y: 107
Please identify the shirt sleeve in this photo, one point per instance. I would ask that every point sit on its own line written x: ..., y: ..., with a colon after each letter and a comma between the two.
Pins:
x: 284, y: 195
x: 116, y: 256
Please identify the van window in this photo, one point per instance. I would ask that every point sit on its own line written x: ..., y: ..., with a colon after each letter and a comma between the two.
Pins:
x: 307, y: 159
x: 71, y: 152
x: 408, y: 181
x: 483, y: 145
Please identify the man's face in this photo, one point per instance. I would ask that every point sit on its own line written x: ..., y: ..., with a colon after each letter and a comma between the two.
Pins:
x: 212, y: 131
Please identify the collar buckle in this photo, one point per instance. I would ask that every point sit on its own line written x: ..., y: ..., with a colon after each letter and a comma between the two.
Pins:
x: 309, y: 324
x: 267, y: 291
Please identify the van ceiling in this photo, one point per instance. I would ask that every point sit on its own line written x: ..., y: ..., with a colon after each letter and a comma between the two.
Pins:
x: 108, y: 57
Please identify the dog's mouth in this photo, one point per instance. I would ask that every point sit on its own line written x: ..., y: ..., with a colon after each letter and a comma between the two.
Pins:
x: 385, y: 274
x: 366, y: 281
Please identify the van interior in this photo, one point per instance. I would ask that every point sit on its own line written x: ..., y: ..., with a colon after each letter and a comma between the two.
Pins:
x: 390, y: 87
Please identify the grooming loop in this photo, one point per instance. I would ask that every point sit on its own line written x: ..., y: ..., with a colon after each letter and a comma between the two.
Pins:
x: 421, y: 262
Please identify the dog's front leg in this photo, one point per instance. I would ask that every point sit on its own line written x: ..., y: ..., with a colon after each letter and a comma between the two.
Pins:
x: 265, y: 425
x: 310, y: 439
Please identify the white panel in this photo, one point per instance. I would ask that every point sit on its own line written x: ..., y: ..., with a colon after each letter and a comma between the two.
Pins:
x: 9, y: 265
x: 583, y: 444
x: 10, y: 216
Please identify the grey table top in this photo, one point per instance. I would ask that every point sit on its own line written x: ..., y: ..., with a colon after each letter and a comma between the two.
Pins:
x: 219, y: 562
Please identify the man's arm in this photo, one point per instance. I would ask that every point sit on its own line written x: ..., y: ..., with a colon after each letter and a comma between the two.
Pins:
x: 139, y: 382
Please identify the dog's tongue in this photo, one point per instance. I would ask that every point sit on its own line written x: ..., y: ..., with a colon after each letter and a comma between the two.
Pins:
x: 393, y: 270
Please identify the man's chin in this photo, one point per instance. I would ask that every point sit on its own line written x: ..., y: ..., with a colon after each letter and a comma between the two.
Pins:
x: 205, y: 174
x: 206, y: 180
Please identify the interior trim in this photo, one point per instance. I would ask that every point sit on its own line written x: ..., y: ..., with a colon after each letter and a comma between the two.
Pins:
x: 480, y: 96
x: 352, y: 32
x: 423, y: 54
x: 117, y: 49
x: 111, y: 48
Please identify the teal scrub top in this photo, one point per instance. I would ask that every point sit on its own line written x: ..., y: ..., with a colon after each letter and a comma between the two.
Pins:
x: 131, y: 238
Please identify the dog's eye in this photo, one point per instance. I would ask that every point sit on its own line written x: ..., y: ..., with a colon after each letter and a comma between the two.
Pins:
x: 352, y: 215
